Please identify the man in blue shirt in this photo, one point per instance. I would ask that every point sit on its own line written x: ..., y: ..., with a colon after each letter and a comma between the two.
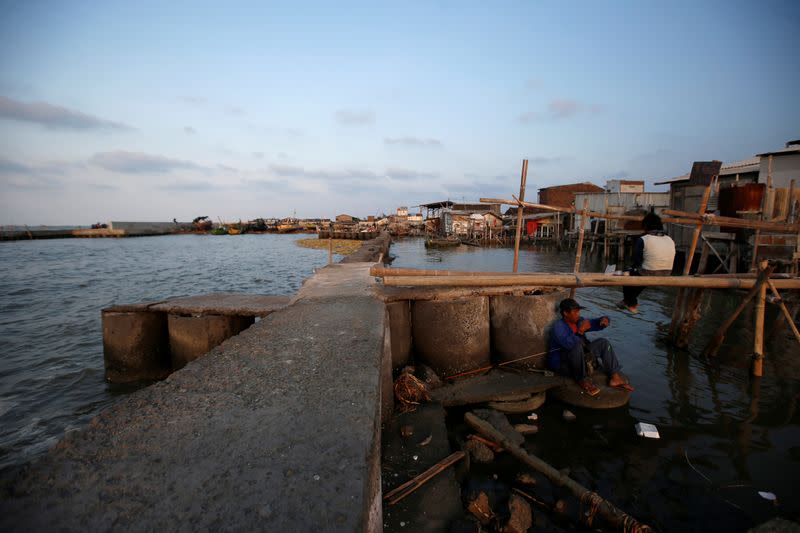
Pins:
x: 569, y: 348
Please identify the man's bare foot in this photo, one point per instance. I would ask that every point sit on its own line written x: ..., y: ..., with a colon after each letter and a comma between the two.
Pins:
x: 618, y: 382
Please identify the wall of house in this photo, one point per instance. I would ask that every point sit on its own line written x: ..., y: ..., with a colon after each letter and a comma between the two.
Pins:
x: 564, y: 195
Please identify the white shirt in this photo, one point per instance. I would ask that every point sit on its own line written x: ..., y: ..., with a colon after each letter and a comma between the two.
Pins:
x: 659, y: 252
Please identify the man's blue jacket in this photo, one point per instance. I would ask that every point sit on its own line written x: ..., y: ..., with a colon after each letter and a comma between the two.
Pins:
x: 563, y: 339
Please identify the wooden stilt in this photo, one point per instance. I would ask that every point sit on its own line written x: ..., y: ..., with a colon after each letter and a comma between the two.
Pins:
x: 579, y: 246
x: 330, y: 251
x: 523, y: 178
x: 764, y: 205
x: 758, y: 331
x: 719, y: 336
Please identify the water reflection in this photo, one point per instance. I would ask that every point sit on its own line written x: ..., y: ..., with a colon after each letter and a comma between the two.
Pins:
x: 724, y: 435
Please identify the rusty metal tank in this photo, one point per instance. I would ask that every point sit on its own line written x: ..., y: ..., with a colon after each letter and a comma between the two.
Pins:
x: 744, y: 197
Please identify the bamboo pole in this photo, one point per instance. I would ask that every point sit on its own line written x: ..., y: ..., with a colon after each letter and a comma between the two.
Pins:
x: 682, y: 217
x: 382, y: 271
x: 785, y: 311
x: 330, y: 251
x: 522, y: 181
x: 400, y: 492
x: 615, y: 516
x: 523, y: 281
x: 579, y: 250
x: 758, y: 340
x: 694, y: 299
x: 719, y: 336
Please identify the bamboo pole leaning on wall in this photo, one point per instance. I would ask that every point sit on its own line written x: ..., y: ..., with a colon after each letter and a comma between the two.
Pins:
x: 522, y: 181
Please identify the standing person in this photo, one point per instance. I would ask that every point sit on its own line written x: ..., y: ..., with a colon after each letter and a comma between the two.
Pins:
x: 653, y: 255
x: 569, y: 349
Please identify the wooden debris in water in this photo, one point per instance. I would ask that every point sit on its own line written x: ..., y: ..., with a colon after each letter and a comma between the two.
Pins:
x: 398, y: 493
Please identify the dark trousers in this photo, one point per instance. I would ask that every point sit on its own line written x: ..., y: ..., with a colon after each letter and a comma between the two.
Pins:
x: 630, y: 295
x: 573, y: 362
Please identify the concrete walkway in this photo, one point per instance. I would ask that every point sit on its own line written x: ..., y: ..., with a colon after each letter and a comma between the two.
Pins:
x: 276, y: 429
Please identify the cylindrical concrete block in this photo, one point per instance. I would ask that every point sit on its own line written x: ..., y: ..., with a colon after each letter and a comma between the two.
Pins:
x: 193, y: 336
x: 521, y: 326
x: 399, y: 314
x: 451, y: 336
x: 135, y: 345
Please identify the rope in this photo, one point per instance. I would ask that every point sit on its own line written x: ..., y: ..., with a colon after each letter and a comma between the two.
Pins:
x: 593, y: 500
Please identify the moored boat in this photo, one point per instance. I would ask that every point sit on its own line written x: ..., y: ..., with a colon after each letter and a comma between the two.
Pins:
x: 441, y: 242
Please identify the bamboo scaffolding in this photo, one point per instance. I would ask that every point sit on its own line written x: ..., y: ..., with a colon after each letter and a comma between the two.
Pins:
x: 615, y: 516
x: 719, y: 336
x: 522, y: 181
x: 579, y: 249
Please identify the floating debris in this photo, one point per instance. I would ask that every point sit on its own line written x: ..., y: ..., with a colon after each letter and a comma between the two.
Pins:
x: 526, y: 479
x: 526, y: 429
x: 568, y: 415
x: 521, y: 515
x: 479, y: 452
x: 646, y: 430
x: 533, y: 416
x: 479, y: 508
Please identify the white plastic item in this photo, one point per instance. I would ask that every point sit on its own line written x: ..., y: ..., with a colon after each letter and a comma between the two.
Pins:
x: 646, y: 430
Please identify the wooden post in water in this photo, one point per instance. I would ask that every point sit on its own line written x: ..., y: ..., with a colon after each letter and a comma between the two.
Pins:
x: 785, y: 311
x: 523, y: 178
x: 677, y: 311
x: 584, y: 216
x: 330, y: 251
x: 758, y: 332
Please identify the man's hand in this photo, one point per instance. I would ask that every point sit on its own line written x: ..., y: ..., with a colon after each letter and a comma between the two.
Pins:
x: 604, y: 322
x: 584, y: 326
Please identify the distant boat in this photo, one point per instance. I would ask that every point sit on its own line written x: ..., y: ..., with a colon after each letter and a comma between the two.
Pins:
x: 289, y: 225
x: 234, y: 231
x: 441, y: 242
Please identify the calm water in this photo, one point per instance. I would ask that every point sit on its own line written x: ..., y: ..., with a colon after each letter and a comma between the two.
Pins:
x: 51, y: 294
x: 741, y: 436
x: 724, y: 436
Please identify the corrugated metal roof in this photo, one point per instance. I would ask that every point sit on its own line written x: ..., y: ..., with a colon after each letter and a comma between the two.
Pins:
x: 727, y: 169
x: 791, y: 149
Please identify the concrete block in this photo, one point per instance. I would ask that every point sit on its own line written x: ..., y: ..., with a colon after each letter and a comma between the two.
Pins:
x: 451, y: 336
x: 135, y: 344
x: 193, y: 336
x: 520, y: 326
x: 400, y: 323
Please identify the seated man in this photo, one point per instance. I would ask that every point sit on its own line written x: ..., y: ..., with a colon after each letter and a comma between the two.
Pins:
x: 569, y: 348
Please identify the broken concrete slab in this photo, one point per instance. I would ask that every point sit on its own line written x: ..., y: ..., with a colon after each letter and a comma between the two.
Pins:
x: 494, y: 386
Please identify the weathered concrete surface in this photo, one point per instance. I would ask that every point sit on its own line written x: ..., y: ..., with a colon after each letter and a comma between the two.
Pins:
x: 451, y: 336
x: 520, y: 326
x: 191, y: 337
x: 223, y: 303
x: 276, y: 429
x: 494, y: 386
x: 135, y: 344
x: 371, y: 251
x: 400, y: 324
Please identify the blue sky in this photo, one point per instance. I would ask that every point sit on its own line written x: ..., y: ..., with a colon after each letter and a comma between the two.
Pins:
x: 154, y: 110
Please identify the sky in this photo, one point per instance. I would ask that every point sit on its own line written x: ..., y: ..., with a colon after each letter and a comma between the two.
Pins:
x: 150, y: 111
